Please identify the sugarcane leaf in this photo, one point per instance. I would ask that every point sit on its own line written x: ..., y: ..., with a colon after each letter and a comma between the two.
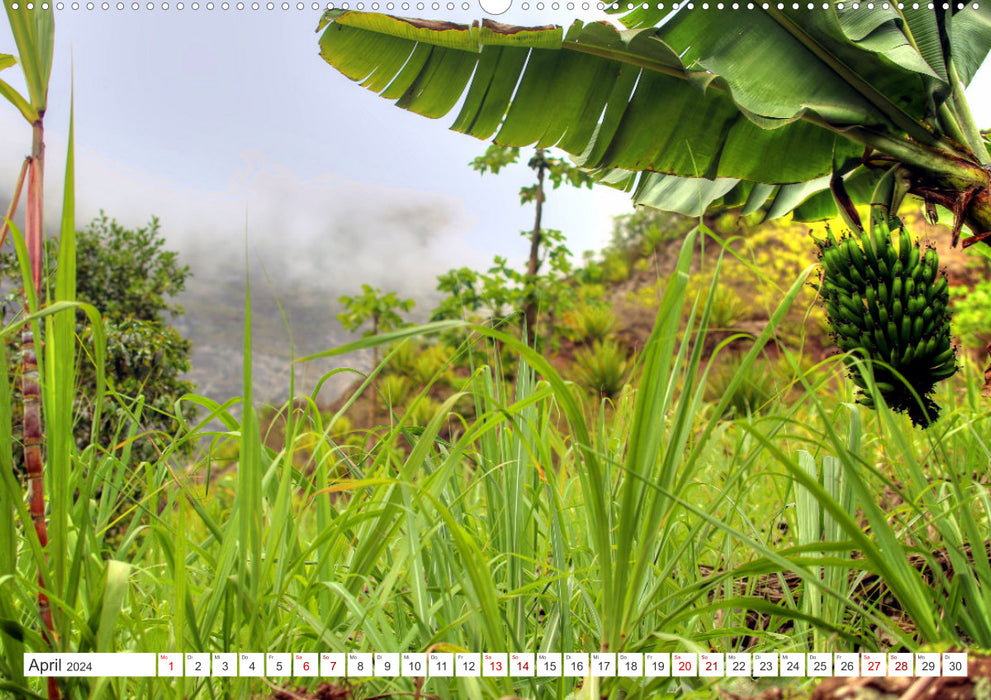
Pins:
x: 16, y: 99
x: 114, y: 592
x: 34, y: 35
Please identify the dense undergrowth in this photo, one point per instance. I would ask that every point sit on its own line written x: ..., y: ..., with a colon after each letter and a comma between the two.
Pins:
x: 519, y: 511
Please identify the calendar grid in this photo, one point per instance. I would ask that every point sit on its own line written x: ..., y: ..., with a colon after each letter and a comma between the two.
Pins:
x: 283, y: 665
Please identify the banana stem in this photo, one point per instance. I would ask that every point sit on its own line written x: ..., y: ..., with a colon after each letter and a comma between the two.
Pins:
x: 943, y: 168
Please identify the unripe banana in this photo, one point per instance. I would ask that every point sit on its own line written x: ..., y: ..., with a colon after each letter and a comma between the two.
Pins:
x: 893, y: 339
x: 944, y: 373
x: 909, y: 355
x: 917, y: 327
x: 914, y: 256
x: 916, y: 306
x: 856, y: 255
x: 904, y: 246
x: 883, y: 295
x: 882, y: 344
x: 887, y: 298
x: 944, y: 357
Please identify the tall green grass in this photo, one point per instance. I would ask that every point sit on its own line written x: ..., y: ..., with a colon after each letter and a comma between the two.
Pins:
x: 544, y: 521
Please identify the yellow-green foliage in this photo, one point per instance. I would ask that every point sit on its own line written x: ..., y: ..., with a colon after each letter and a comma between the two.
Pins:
x: 590, y: 322
x: 615, y: 266
x: 971, y: 310
x: 591, y: 292
x: 780, y: 250
x: 422, y: 410
x: 753, y: 395
x: 727, y: 305
x: 432, y: 364
x: 402, y: 356
x: 603, y: 368
x: 393, y: 390
x: 775, y: 253
x: 650, y: 295
x: 341, y: 428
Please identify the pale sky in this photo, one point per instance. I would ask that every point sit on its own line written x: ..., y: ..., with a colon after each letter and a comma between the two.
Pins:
x: 218, y: 122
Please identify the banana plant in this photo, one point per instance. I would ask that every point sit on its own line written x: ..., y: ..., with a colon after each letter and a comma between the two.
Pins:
x: 803, y: 111
x: 761, y: 109
x: 33, y: 30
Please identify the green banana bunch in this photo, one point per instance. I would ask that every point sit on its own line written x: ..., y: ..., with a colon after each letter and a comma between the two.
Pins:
x: 891, y: 304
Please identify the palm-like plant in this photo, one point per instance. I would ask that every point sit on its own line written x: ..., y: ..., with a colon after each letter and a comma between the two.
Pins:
x: 775, y: 109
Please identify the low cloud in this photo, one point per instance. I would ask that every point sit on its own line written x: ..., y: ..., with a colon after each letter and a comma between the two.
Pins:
x: 308, y: 242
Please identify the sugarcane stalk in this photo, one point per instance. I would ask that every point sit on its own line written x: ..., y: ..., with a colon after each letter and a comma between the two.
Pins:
x: 31, y: 386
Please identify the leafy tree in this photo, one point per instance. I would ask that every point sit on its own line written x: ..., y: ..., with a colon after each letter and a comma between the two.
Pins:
x: 500, y: 293
x: 462, y: 287
x: 372, y: 306
x: 543, y: 243
x: 129, y: 276
x: 128, y: 273
x: 469, y: 291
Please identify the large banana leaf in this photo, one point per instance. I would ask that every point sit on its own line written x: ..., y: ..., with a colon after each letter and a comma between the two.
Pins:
x: 751, y: 108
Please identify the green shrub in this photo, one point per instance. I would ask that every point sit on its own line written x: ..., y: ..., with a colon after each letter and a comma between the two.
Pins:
x: 727, y: 307
x: 591, y: 292
x: 646, y: 228
x: 432, y: 365
x: 131, y: 279
x: 751, y: 396
x: 656, y: 233
x: 603, y: 368
x: 615, y: 266
x: 401, y: 357
x: 422, y: 410
x: 971, y: 309
x: 591, y: 272
x: 342, y: 427
x: 591, y: 322
x: 393, y: 390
